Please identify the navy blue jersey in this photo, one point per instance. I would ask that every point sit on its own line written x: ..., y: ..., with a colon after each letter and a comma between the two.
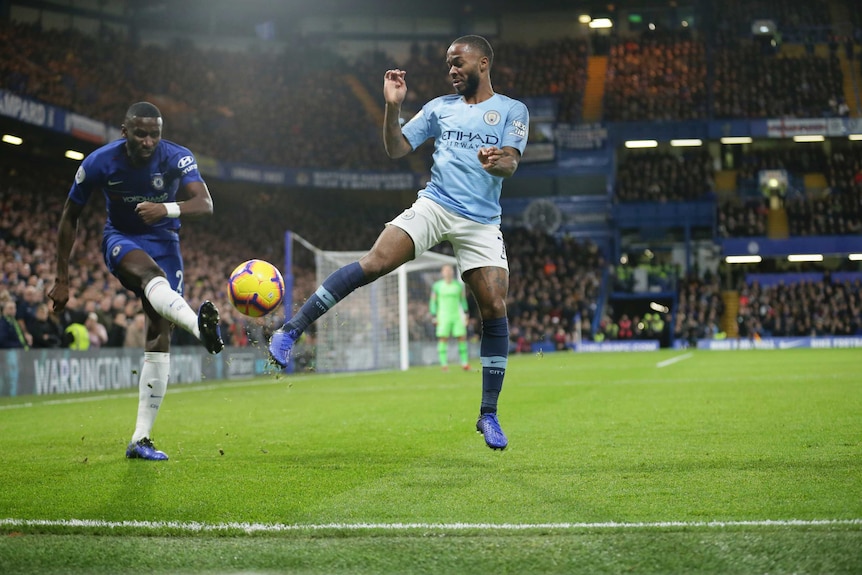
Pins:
x: 125, y: 185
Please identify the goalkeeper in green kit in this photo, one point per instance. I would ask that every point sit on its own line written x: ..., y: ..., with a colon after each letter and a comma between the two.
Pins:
x: 448, y: 306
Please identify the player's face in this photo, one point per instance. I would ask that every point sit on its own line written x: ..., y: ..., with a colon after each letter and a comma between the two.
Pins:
x: 142, y: 136
x: 464, y: 68
x: 447, y: 272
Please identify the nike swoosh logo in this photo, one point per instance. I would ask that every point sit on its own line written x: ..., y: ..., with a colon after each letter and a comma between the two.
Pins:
x: 157, y: 396
x: 446, y: 116
x: 117, y: 183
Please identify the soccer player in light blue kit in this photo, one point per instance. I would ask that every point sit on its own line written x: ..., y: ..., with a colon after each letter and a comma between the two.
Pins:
x: 479, y: 137
x: 140, y: 176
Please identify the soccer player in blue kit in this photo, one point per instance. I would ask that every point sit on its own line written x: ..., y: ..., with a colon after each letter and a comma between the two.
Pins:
x: 479, y: 137
x: 140, y: 175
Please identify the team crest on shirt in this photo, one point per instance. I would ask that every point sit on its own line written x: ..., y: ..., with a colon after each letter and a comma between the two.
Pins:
x: 158, y: 181
x: 492, y: 117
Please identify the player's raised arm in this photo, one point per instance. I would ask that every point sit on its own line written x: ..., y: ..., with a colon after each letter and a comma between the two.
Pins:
x: 394, y: 91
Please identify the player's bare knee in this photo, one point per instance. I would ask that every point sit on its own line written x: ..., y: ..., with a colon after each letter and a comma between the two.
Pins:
x: 144, y: 277
x: 492, y: 309
x: 373, y: 265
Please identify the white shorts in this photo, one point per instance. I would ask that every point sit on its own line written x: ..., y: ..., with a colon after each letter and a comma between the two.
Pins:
x: 476, y: 245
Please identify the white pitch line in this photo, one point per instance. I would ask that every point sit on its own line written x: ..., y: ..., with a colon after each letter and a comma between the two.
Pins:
x: 673, y: 360
x: 196, y: 527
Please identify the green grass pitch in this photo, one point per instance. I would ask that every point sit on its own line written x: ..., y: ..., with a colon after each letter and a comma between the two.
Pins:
x: 665, y: 462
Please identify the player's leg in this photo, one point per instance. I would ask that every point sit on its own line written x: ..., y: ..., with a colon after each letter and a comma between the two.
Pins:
x: 154, y: 271
x: 481, y: 253
x: 443, y: 353
x: 157, y: 279
x: 459, y: 332
x: 489, y: 286
x: 464, y: 353
x: 409, y: 234
x: 152, y: 385
x: 392, y: 248
x: 443, y: 332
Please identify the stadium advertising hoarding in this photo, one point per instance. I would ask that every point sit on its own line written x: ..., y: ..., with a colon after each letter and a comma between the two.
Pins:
x: 32, y: 112
x: 63, y: 371
x: 581, y: 136
x: 779, y: 343
x: 324, y: 179
x: 616, y: 346
x: 767, y: 247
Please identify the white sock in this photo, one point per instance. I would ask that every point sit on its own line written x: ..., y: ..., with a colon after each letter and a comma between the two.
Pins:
x: 171, y: 305
x: 151, y: 390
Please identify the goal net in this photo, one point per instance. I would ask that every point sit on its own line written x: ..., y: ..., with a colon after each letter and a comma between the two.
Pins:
x: 380, y: 326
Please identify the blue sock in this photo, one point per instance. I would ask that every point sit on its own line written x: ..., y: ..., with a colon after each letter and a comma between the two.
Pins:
x: 335, y: 288
x: 494, y: 353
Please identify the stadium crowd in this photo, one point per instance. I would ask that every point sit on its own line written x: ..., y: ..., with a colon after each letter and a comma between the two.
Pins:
x: 803, y: 308
x: 309, y: 107
x: 752, y: 84
x: 835, y: 210
x: 699, y: 309
x: 554, y: 281
x: 651, y: 176
x: 661, y: 76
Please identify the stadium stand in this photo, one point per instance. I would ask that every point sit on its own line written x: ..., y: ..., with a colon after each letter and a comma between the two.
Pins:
x: 651, y: 176
x: 315, y: 109
x: 801, y: 308
x: 660, y: 76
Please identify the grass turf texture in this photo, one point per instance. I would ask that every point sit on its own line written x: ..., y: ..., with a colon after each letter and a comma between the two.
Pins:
x: 594, y: 438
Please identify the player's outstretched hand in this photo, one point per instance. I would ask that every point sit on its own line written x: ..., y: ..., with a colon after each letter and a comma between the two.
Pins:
x: 394, y: 86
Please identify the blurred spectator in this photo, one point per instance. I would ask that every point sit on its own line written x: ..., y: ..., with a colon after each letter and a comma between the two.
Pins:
x: 44, y: 329
x: 117, y: 330
x: 11, y: 334
x: 96, y: 332
x: 136, y: 332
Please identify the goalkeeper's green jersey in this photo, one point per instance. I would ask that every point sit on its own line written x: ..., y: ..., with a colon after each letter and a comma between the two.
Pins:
x: 447, y: 300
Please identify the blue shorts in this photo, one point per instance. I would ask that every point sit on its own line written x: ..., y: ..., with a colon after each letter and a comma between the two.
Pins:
x: 164, y: 251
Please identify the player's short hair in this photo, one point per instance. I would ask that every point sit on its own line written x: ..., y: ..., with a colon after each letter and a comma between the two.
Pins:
x: 478, y: 43
x: 143, y: 110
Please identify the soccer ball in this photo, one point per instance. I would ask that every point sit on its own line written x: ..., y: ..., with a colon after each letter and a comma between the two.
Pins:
x: 255, y: 288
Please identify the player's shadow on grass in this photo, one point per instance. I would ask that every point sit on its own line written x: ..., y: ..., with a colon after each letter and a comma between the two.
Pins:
x: 133, y: 491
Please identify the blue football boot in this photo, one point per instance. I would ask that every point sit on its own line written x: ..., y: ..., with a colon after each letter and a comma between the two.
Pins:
x: 280, y: 345
x: 144, y: 449
x: 489, y: 426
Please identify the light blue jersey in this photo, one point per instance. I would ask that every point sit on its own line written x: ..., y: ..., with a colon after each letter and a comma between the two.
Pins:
x: 459, y: 129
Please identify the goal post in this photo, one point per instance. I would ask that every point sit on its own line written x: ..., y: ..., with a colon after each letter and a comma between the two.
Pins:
x: 370, y: 328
